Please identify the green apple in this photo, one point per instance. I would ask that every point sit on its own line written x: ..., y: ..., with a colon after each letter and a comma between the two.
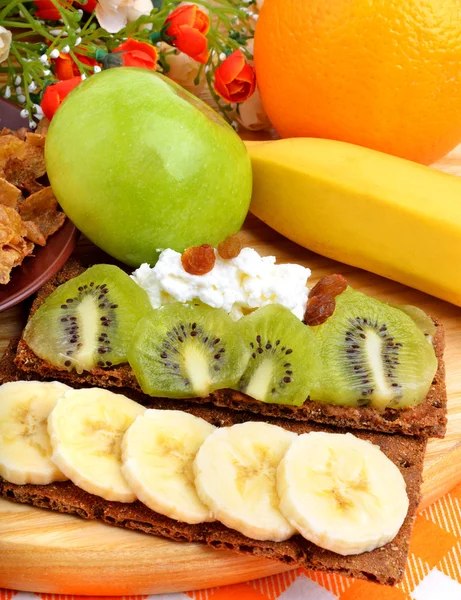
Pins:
x: 139, y: 165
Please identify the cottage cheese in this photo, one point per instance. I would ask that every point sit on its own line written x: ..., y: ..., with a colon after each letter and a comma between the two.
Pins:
x: 238, y: 285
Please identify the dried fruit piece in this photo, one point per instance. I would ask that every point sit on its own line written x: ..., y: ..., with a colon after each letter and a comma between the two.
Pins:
x: 198, y: 260
x: 319, y: 308
x: 20, y: 133
x: 25, y: 164
x: 231, y: 246
x: 22, y: 247
x: 10, y: 146
x: 34, y: 234
x: 8, y: 259
x: 42, y: 209
x: 22, y: 161
x: 14, y: 248
x: 43, y: 126
x: 11, y: 226
x: 9, y: 194
x: 35, y: 139
x: 331, y: 284
x: 18, y: 173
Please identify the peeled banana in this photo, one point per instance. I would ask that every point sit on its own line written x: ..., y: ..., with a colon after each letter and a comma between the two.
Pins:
x: 338, y: 491
x: 341, y: 492
x: 25, y: 449
x: 365, y: 208
x: 235, y: 471
x: 86, y: 428
x: 157, y: 452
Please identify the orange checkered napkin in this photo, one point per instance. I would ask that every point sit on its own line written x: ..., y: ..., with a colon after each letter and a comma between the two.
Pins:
x: 433, y: 572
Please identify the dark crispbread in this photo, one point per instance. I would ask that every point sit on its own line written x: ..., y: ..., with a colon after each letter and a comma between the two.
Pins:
x: 427, y: 419
x: 384, y: 565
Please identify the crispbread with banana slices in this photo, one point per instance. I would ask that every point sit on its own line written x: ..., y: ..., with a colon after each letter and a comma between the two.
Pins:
x: 384, y: 565
x: 427, y: 419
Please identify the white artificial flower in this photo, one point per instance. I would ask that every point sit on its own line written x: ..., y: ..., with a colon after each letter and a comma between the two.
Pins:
x: 5, y: 43
x: 251, y: 114
x: 184, y: 70
x: 113, y: 15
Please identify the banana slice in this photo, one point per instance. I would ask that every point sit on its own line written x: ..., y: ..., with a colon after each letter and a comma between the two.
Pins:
x: 235, y: 472
x: 157, y: 452
x: 341, y: 493
x: 25, y: 450
x: 86, y: 428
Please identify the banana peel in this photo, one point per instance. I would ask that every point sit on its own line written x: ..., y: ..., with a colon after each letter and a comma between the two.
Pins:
x: 365, y: 208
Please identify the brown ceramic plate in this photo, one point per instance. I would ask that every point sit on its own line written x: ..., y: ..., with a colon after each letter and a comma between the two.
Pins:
x: 47, y: 260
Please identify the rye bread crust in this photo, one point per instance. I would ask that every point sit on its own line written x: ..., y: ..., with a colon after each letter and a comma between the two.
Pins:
x: 428, y: 418
x: 384, y: 565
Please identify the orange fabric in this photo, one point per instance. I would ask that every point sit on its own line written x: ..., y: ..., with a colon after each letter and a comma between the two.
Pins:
x: 435, y: 551
x: 430, y: 542
x: 240, y: 591
x: 378, y: 73
x: 362, y: 590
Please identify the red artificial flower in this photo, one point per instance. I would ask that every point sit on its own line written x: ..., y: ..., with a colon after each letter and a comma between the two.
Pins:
x: 66, y: 68
x: 235, y: 80
x: 47, y: 10
x: 137, y: 54
x: 187, y: 26
x: 55, y: 94
x: 89, y: 6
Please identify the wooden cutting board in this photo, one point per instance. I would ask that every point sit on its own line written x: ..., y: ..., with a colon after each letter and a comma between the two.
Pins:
x: 43, y: 551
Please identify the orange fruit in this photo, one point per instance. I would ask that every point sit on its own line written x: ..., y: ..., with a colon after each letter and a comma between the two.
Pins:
x: 385, y: 74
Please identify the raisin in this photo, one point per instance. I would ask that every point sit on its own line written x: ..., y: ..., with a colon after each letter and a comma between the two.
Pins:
x: 198, y: 260
x: 319, y: 308
x: 231, y: 246
x: 331, y: 284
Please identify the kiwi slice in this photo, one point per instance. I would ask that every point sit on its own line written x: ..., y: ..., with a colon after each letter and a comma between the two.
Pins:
x: 283, y: 356
x: 186, y: 350
x: 89, y: 320
x: 372, y: 355
x: 423, y: 321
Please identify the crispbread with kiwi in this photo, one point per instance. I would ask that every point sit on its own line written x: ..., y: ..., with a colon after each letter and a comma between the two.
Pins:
x: 384, y: 565
x: 427, y: 418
